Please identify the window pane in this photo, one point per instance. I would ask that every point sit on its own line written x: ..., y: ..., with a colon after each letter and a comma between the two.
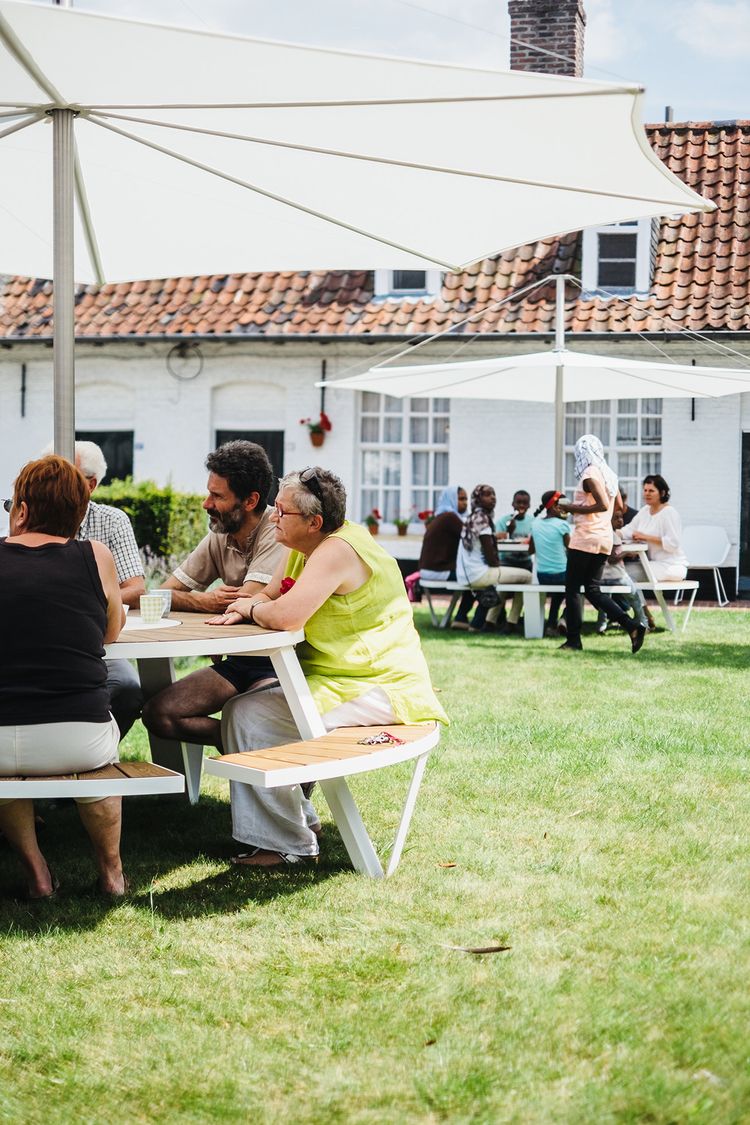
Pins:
x: 574, y: 428
x: 420, y: 500
x: 409, y: 279
x: 393, y: 405
x: 441, y: 405
x: 651, y: 405
x: 370, y: 429
x: 621, y: 275
x: 651, y: 463
x: 600, y: 427
x: 617, y: 246
x: 570, y: 471
x: 575, y: 408
x: 371, y: 469
x: 627, y: 431
x: 627, y: 465
x: 369, y: 500
x: 370, y: 402
x: 391, y: 510
x: 420, y: 431
x: 599, y: 406
x: 627, y: 405
x: 440, y: 430
x: 391, y: 430
x: 420, y: 405
x: 391, y: 468
x: 420, y: 468
x: 440, y: 469
x: 651, y: 431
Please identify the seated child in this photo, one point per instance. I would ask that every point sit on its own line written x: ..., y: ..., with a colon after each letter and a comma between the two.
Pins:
x: 549, y: 542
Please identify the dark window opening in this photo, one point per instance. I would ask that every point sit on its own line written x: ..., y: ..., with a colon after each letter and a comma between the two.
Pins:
x: 117, y: 447
x: 409, y: 280
x: 271, y: 440
x: 617, y: 261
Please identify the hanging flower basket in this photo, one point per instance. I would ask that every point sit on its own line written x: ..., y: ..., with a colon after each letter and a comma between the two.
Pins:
x: 318, y: 428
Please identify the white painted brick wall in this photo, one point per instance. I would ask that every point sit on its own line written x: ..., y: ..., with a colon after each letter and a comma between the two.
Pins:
x: 259, y: 385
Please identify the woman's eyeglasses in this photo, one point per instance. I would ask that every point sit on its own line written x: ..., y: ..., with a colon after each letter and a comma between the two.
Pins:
x: 7, y: 505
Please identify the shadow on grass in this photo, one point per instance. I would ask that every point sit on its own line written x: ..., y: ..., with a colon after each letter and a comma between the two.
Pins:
x: 695, y: 654
x: 160, y: 838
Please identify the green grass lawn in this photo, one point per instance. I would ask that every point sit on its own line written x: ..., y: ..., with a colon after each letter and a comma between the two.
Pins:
x: 590, y: 811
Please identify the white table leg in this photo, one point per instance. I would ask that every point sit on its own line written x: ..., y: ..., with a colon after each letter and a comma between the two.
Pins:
x: 297, y: 693
x: 349, y: 823
x: 533, y: 614
x: 184, y: 757
x: 406, y: 814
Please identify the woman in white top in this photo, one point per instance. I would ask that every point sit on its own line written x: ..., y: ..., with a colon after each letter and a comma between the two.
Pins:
x: 659, y: 525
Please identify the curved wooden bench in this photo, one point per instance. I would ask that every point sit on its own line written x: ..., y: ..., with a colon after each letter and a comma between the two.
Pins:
x: 330, y: 759
x: 121, y: 779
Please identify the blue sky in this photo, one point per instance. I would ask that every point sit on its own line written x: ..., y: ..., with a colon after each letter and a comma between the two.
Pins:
x: 690, y: 54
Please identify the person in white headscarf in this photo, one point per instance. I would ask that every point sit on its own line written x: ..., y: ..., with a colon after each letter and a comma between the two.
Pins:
x: 597, y: 494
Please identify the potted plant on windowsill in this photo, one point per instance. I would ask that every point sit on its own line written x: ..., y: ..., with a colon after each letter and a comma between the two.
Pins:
x: 317, y: 428
x: 372, y: 521
x: 401, y: 525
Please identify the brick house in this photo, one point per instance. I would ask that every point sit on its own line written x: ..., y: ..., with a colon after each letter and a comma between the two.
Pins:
x: 166, y: 369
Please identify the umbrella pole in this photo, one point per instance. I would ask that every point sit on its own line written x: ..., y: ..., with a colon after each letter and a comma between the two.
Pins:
x: 63, y: 284
x: 559, y: 374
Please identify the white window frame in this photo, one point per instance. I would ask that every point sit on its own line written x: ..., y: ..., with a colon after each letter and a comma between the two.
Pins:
x: 643, y: 230
x: 433, y: 283
x: 405, y: 449
x: 614, y: 450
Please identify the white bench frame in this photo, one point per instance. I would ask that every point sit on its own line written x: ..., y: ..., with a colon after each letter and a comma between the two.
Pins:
x: 121, y: 779
x: 329, y: 760
x: 534, y: 597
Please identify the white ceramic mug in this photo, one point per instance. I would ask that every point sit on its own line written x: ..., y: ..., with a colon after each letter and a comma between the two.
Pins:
x: 152, y: 608
x: 166, y: 596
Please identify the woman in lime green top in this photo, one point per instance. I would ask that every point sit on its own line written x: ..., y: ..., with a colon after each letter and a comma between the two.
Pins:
x: 361, y: 654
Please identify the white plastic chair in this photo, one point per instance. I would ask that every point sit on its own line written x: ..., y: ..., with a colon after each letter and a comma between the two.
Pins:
x: 707, y: 547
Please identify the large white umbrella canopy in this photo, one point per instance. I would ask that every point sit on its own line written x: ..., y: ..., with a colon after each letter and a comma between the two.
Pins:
x: 531, y: 378
x: 201, y: 153
x: 556, y: 376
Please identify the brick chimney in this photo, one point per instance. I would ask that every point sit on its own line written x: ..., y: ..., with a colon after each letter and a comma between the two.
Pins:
x: 554, y: 25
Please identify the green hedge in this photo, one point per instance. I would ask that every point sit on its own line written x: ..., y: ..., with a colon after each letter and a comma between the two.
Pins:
x: 167, y: 522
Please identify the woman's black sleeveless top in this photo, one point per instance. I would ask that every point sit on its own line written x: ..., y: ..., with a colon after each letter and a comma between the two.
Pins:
x: 53, y: 617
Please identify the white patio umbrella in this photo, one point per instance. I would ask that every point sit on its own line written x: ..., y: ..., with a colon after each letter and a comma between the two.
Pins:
x: 556, y: 376
x: 188, y: 152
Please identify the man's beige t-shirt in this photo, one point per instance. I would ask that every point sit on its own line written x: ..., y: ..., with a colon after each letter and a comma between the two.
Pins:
x: 593, y: 531
x: 219, y: 556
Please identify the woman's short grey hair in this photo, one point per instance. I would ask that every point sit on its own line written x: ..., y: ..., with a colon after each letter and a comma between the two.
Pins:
x: 90, y: 460
x: 333, y: 508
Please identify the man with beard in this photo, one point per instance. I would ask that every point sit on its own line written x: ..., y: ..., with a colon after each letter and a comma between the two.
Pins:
x: 241, y: 551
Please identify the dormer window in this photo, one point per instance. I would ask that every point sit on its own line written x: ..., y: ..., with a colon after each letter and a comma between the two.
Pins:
x: 619, y: 258
x: 408, y: 283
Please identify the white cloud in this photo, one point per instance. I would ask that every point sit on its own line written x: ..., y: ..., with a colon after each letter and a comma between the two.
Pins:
x: 716, y: 28
x: 606, y: 40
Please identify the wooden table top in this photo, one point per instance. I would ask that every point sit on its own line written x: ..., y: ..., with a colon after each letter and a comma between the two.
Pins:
x: 193, y: 637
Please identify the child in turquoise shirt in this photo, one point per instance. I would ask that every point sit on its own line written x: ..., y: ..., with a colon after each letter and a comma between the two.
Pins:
x: 549, y: 542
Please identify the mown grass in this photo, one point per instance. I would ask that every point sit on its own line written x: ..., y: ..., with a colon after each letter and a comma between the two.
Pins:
x: 596, y: 809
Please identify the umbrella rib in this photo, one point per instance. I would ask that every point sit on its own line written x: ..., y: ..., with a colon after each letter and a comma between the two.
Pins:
x: 86, y: 220
x: 21, y: 125
x: 384, y: 160
x: 16, y: 48
x: 271, y: 195
x: 367, y: 102
x: 689, y: 393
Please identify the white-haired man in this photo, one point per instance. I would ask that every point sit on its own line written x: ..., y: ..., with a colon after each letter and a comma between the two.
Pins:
x: 112, y: 527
